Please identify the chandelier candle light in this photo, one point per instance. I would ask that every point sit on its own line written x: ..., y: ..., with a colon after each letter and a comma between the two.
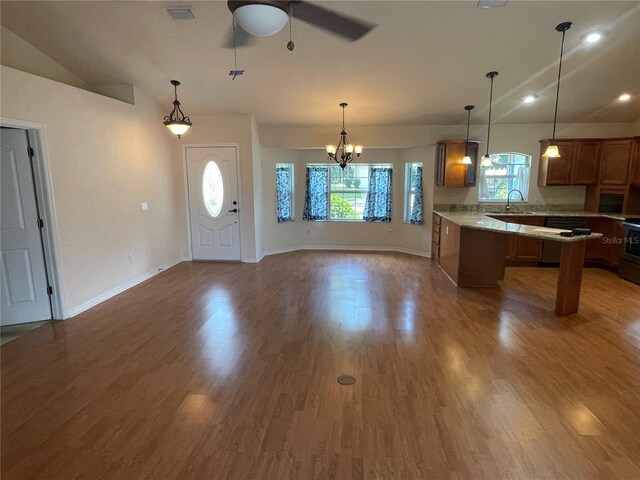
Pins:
x: 486, y: 160
x: 552, y: 149
x: 177, y: 121
x: 342, y: 153
x: 467, y: 159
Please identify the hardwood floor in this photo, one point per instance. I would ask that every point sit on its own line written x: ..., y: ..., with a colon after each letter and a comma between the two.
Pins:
x: 212, y: 371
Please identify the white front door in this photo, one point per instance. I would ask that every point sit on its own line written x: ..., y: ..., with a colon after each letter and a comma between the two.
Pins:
x: 213, y: 203
x: 23, y: 284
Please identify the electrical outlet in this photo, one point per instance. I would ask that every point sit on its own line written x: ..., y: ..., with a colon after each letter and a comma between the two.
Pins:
x: 308, y: 230
x: 130, y: 257
x: 144, y: 206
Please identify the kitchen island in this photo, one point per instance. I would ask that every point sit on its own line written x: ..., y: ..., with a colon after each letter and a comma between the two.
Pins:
x: 472, y: 252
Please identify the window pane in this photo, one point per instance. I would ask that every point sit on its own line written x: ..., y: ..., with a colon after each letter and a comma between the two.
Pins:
x: 212, y: 188
x: 510, y: 171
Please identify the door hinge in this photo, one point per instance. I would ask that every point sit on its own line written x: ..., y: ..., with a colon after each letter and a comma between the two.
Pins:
x: 30, y: 151
x: 49, y: 290
x: 40, y: 223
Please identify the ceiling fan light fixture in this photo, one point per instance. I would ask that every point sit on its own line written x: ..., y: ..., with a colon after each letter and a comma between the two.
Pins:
x: 261, y: 20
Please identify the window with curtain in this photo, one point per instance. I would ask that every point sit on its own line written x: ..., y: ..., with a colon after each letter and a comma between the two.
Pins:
x: 378, y: 205
x: 333, y: 193
x: 316, y: 195
x: 413, y: 193
x: 284, y: 192
x: 510, y: 171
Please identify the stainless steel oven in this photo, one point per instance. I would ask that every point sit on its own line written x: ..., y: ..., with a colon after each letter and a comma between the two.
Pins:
x: 630, y: 260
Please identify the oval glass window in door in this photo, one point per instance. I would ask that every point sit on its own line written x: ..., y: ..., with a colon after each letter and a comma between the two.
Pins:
x: 212, y: 188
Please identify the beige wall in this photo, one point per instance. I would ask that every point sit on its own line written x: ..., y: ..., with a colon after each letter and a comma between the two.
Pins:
x: 105, y: 158
x: 21, y: 55
x: 304, y: 234
x: 232, y: 129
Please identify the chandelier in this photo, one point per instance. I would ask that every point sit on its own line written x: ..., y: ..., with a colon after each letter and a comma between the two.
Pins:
x: 342, y: 153
x: 177, y: 121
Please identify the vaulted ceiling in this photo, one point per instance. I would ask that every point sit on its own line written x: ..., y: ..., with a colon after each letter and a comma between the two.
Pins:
x: 421, y: 65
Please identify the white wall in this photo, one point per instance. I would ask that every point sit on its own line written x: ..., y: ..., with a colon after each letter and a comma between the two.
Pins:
x: 523, y: 138
x: 105, y: 158
x: 232, y: 129
x: 300, y: 233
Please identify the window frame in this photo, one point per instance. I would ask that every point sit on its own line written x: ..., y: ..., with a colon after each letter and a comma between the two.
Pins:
x: 346, y: 190
x: 292, y: 187
x: 408, y: 190
x: 511, y: 154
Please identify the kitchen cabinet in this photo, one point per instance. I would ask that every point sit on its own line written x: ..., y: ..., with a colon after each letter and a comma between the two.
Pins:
x: 615, y: 158
x: 578, y: 164
x: 634, y: 173
x: 605, y: 251
x: 435, y: 237
x: 557, y: 171
x: 450, y: 171
x: 523, y: 249
x: 586, y: 164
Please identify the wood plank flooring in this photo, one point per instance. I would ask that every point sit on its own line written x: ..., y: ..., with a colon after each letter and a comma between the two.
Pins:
x: 214, y: 371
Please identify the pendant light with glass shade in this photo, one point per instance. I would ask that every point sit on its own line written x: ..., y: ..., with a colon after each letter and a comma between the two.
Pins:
x: 466, y: 160
x: 552, y: 149
x: 177, y: 121
x: 486, y: 160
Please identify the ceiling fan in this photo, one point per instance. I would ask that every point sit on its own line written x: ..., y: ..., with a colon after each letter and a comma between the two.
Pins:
x: 263, y: 18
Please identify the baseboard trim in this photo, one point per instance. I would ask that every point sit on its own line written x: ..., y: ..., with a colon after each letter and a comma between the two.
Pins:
x: 121, y: 288
x: 296, y: 248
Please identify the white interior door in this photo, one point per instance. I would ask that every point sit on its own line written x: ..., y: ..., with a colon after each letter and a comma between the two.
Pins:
x: 23, y: 281
x: 213, y: 203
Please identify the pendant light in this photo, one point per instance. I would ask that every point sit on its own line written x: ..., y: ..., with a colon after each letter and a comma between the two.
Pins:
x: 552, y: 149
x: 177, y: 121
x: 467, y: 159
x: 343, y: 153
x: 486, y: 160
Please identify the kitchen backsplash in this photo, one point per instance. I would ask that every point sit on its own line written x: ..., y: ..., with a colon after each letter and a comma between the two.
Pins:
x: 500, y: 208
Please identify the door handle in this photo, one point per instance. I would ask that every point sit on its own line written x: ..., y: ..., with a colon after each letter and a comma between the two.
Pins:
x: 235, y: 210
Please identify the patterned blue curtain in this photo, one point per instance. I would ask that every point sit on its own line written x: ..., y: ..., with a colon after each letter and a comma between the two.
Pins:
x: 283, y: 194
x: 316, y: 196
x: 377, y: 207
x: 416, y: 211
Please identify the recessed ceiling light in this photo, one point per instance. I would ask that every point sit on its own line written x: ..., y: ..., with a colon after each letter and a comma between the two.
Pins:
x: 593, y: 37
x: 529, y: 99
x: 625, y: 97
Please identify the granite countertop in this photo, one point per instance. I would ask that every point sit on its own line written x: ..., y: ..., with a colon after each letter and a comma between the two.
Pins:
x: 613, y: 216
x: 482, y: 221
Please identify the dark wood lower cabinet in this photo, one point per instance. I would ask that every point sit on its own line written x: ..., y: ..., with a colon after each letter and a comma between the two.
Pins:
x: 524, y: 249
x: 607, y: 250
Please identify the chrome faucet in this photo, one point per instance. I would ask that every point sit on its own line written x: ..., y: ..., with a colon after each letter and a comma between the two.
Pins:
x: 509, y: 196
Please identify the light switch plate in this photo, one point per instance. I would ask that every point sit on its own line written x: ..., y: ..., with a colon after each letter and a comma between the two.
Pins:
x: 144, y: 206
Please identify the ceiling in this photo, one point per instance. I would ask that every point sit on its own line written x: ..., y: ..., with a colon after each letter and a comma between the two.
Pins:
x: 421, y: 65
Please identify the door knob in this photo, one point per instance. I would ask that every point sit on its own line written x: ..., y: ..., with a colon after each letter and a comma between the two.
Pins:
x: 235, y: 210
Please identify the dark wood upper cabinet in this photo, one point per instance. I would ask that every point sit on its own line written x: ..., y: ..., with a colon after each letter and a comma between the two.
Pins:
x: 634, y: 173
x: 586, y: 163
x: 450, y: 171
x: 556, y: 171
x: 615, y: 158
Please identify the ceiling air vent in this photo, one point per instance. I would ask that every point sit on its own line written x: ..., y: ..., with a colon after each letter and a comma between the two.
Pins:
x: 180, y: 13
x: 490, y: 3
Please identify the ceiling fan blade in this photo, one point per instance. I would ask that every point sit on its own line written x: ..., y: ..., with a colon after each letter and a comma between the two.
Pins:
x: 349, y: 28
x: 243, y: 39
